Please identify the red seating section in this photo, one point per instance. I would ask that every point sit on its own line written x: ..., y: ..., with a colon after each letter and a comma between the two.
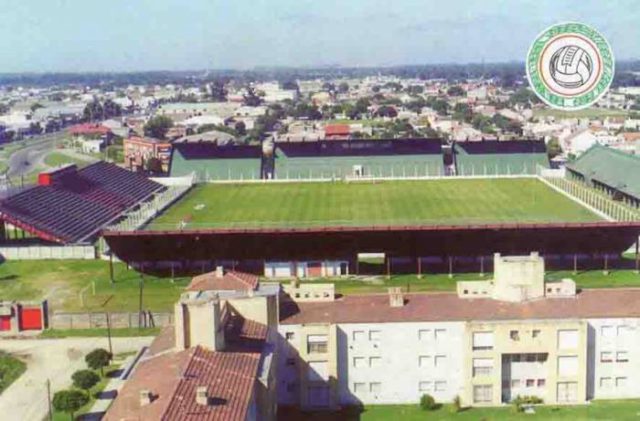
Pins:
x: 78, y: 204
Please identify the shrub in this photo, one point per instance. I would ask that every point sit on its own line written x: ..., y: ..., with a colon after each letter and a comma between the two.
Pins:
x: 520, y: 401
x: 98, y: 359
x: 427, y: 403
x: 457, y: 404
x: 69, y: 401
x: 85, y: 379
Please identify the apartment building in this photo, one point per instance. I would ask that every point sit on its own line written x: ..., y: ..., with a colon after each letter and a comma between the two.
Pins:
x: 488, y: 343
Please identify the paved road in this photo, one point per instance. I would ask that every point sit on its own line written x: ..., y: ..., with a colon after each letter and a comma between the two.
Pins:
x: 54, y: 359
x: 25, y: 160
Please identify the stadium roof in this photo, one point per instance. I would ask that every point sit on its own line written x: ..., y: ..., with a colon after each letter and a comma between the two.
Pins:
x: 616, y: 169
x: 72, y: 205
x: 211, y: 161
x: 360, y: 147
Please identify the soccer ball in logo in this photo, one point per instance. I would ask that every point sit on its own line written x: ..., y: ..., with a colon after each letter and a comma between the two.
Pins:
x: 571, y: 67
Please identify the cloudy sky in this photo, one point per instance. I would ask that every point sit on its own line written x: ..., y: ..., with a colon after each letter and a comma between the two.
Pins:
x: 123, y: 35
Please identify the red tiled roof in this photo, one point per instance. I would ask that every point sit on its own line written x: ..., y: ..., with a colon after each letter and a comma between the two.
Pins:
x: 631, y: 136
x: 89, y: 129
x: 172, y: 378
x: 229, y: 378
x: 337, y: 130
x: 375, y: 308
x: 230, y: 280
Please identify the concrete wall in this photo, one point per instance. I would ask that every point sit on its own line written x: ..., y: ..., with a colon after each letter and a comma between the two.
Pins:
x: 47, y: 252
x: 60, y: 320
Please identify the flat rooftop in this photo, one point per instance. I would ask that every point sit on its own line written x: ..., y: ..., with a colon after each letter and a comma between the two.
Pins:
x: 368, y: 203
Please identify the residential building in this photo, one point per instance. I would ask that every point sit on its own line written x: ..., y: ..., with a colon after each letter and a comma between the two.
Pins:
x: 139, y: 150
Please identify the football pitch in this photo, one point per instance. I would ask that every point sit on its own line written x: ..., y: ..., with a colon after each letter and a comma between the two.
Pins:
x: 430, y: 202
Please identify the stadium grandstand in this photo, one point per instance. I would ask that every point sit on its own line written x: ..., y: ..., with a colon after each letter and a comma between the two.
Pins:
x: 336, y: 159
x: 493, y: 157
x: 615, y: 172
x: 212, y: 162
x: 71, y: 205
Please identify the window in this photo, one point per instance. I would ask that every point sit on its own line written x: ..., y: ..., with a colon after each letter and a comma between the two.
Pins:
x: 535, y: 333
x: 621, y: 382
x: 622, y: 330
x: 424, y: 334
x: 375, y: 361
x: 542, y: 382
x: 622, y: 357
x: 515, y: 358
x: 358, y: 362
x: 317, y: 344
x: 482, y: 341
x: 375, y: 387
x: 318, y: 371
x: 440, y: 334
x: 531, y: 358
x: 440, y: 360
x: 514, y: 335
x: 531, y: 382
x: 606, y: 331
x: 424, y: 361
x: 606, y: 357
x: 482, y: 366
x: 568, y: 339
x: 482, y: 393
x: 515, y: 383
x: 359, y: 387
x: 424, y: 386
x: 568, y: 365
x: 374, y: 335
x: 358, y: 335
x: 605, y: 382
x: 291, y: 361
x: 290, y: 336
x: 440, y: 386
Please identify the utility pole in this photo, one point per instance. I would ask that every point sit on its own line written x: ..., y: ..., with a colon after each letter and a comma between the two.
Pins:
x: 109, y: 335
x: 140, y: 302
x: 49, y: 409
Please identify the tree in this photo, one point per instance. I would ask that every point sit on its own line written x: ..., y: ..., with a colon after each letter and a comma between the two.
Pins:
x: 343, y: 87
x: 85, y: 379
x: 462, y: 112
x: 387, y: 111
x: 111, y: 109
x: 36, y: 106
x: 241, y: 128
x: 4, y: 108
x: 251, y: 98
x: 154, y: 165
x: 158, y: 126
x: 290, y: 85
x: 455, y: 90
x: 218, y: 92
x: 98, y: 359
x: 553, y: 147
x: 93, y: 111
x: 69, y: 401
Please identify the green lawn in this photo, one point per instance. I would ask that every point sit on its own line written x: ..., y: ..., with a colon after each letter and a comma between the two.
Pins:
x: 592, y: 112
x: 61, y: 281
x: 55, y: 159
x: 618, y: 410
x: 366, y: 203
x: 10, y: 369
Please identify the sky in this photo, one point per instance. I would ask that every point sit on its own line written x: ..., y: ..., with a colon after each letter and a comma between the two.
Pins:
x: 134, y: 35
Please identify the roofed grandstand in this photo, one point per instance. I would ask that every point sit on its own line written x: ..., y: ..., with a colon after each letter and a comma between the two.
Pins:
x: 614, y: 171
x: 71, y: 205
x: 493, y: 157
x: 210, y: 161
x: 359, y: 158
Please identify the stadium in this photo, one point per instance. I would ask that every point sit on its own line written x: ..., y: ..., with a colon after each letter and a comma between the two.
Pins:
x: 326, y: 208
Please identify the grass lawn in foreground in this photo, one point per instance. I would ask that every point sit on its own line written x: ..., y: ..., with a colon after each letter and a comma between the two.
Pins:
x: 617, y: 410
x: 10, y: 369
x: 60, y: 281
x: 428, y: 202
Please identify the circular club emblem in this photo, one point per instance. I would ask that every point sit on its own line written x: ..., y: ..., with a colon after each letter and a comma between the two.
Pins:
x: 570, y: 66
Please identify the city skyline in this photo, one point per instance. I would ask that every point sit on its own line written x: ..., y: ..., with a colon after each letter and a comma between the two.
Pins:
x: 73, y: 36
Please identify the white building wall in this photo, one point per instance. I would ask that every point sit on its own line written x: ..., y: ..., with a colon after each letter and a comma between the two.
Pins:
x: 390, y: 356
x: 618, y: 339
x: 288, y: 365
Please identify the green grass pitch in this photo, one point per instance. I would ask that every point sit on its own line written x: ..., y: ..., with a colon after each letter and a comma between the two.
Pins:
x: 431, y: 202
